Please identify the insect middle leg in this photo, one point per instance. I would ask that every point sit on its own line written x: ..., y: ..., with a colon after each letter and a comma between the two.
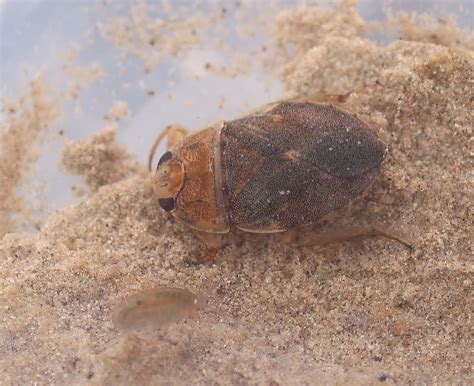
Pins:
x: 214, y: 242
x: 175, y: 134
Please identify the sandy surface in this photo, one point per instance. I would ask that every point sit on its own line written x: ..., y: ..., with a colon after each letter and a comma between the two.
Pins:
x: 363, y: 312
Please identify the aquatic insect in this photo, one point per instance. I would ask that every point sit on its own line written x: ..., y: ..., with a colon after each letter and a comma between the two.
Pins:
x: 288, y: 165
x: 154, y: 308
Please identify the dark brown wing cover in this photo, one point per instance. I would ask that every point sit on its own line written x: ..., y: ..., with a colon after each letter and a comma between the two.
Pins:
x: 294, y: 164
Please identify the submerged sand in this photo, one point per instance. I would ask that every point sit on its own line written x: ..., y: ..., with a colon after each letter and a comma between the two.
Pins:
x: 362, y: 312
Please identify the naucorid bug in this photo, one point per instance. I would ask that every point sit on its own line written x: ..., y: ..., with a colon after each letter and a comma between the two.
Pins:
x: 289, y: 164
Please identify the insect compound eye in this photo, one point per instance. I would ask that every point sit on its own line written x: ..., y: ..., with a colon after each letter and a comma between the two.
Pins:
x: 167, y: 204
x: 165, y: 157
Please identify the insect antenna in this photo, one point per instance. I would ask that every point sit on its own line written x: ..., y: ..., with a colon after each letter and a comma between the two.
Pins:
x: 155, y: 146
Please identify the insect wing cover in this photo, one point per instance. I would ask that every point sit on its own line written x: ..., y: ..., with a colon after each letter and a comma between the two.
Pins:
x: 295, y: 163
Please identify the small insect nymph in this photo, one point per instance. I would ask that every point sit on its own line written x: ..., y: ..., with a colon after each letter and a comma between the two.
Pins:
x: 154, y: 308
x: 288, y: 165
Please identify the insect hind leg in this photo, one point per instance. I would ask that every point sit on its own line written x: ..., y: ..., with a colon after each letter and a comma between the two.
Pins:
x: 322, y: 239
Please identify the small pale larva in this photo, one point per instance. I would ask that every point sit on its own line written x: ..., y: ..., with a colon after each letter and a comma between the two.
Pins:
x: 154, y: 308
